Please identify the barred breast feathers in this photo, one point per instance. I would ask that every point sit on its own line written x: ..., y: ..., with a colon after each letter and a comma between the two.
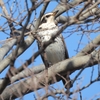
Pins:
x: 47, y: 32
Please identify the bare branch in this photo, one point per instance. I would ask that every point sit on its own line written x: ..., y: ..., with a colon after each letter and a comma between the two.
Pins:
x: 6, y: 47
x: 90, y: 47
x: 37, y: 81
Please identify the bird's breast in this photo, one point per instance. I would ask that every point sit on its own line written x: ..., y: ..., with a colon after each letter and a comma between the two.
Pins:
x: 55, y: 52
x: 47, y: 33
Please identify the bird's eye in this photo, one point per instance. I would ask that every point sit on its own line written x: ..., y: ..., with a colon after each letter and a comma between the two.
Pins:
x: 43, y: 20
x: 47, y: 16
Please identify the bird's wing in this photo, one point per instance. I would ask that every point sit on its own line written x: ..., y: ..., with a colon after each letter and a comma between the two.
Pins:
x: 66, y: 51
x: 69, y: 84
x: 44, y: 57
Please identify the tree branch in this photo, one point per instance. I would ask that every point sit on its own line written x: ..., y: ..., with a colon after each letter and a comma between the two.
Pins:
x: 37, y: 81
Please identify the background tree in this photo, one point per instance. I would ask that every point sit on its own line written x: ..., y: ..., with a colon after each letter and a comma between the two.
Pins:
x: 79, y: 23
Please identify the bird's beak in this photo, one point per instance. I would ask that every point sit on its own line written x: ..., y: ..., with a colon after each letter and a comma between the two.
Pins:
x: 54, y: 13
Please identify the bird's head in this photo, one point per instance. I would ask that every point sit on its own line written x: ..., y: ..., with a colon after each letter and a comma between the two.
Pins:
x: 49, y: 17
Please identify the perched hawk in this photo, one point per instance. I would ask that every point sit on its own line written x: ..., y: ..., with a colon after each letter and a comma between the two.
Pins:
x: 57, y: 50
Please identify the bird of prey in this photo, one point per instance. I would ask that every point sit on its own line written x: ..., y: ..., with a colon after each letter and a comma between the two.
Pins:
x: 57, y: 50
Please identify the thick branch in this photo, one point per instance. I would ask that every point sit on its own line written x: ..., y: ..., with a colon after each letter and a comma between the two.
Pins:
x: 90, y: 47
x: 4, y: 63
x: 6, y: 47
x: 65, y: 7
x: 37, y: 81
